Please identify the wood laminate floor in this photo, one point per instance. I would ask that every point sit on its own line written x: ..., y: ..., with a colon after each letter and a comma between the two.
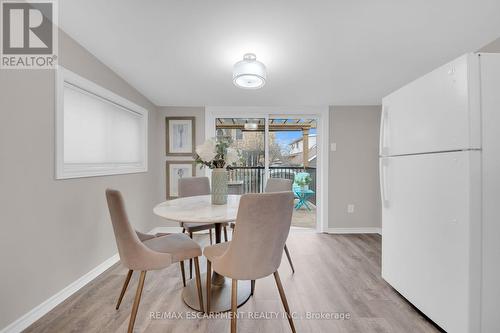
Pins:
x: 336, y: 275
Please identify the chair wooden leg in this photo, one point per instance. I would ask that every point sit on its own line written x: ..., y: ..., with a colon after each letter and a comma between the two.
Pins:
x: 124, y: 288
x: 210, y: 234
x: 289, y: 258
x: 234, y: 305
x: 225, y: 234
x: 183, y: 230
x: 252, y: 287
x: 183, y: 272
x: 190, y: 261
x: 198, y: 283
x: 283, y: 300
x: 135, y: 307
x: 209, y: 284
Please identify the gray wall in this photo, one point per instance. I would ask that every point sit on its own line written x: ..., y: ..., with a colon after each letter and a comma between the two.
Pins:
x: 54, y: 232
x: 177, y: 111
x: 353, y: 177
x: 353, y: 167
x: 493, y: 47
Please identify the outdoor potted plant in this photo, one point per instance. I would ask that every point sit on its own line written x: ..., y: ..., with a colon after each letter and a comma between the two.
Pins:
x: 303, y: 180
x: 217, y: 155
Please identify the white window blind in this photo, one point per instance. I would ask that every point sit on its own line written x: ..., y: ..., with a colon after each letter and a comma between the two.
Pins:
x: 98, y: 133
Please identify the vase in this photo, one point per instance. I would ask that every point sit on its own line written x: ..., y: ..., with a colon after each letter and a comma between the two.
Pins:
x: 219, y: 186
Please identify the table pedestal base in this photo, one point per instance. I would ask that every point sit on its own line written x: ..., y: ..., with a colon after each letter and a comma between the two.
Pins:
x: 221, y: 294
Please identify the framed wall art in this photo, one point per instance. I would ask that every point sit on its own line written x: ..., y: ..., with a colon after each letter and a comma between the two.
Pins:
x: 175, y: 171
x: 180, y: 136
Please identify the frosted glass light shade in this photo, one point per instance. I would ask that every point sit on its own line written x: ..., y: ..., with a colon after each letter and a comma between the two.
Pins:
x: 249, y: 73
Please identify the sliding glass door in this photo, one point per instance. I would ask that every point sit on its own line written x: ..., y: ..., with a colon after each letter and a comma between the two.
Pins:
x: 275, y: 146
x: 293, y: 154
x: 248, y: 136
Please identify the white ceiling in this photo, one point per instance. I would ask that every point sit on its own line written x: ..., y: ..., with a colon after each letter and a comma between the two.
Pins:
x: 317, y: 52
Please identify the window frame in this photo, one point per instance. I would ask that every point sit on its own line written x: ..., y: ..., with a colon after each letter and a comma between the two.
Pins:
x: 80, y: 170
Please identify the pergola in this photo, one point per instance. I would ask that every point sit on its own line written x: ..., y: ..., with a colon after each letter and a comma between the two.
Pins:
x: 275, y: 125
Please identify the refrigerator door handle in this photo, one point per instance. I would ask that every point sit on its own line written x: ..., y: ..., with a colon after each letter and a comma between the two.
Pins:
x: 384, y: 148
x: 383, y: 182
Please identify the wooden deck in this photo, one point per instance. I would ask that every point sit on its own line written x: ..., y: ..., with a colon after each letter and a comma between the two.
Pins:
x: 304, y: 218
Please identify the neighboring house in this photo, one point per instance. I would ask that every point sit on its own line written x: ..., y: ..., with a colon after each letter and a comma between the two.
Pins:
x: 297, y: 149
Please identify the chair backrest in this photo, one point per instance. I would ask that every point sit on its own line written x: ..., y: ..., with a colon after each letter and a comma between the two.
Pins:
x: 262, y: 227
x: 278, y: 185
x: 133, y: 254
x: 193, y: 186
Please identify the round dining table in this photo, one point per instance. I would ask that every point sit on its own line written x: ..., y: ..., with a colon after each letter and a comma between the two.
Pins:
x: 199, y: 209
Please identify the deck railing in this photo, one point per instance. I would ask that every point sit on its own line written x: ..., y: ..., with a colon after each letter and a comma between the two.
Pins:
x: 253, y: 177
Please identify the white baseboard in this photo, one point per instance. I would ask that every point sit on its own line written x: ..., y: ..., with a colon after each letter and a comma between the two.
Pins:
x: 36, y: 313
x: 368, y: 230
x: 172, y: 230
x: 166, y: 230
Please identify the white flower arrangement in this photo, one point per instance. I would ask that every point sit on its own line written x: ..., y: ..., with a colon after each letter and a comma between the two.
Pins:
x: 206, y: 151
x: 217, y: 154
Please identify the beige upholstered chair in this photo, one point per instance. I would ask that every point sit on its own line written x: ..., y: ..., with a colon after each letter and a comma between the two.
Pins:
x: 190, y: 187
x: 280, y: 185
x: 150, y: 254
x: 262, y: 227
x: 142, y: 237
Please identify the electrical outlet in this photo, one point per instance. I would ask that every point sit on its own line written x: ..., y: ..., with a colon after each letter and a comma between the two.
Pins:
x: 333, y: 146
x: 350, y: 208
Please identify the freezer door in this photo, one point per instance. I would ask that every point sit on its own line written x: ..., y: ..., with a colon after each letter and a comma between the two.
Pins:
x: 437, y: 112
x: 426, y: 231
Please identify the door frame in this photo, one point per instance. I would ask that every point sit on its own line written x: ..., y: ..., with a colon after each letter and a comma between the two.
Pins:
x: 320, y: 113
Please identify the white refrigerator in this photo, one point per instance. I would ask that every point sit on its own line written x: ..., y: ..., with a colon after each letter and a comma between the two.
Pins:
x: 440, y: 188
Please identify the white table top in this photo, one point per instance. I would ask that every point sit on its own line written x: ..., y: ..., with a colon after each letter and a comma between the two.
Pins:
x: 199, y: 209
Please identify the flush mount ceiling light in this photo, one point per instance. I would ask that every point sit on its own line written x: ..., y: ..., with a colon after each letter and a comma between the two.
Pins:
x: 249, y: 73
